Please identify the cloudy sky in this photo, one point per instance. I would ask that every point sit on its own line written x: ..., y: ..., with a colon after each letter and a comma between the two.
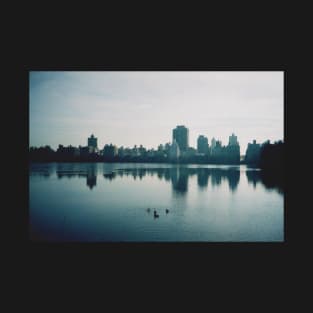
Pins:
x: 128, y: 108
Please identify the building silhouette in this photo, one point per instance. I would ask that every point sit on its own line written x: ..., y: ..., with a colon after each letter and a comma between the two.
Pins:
x: 233, y: 150
x: 174, y: 152
x: 202, y: 144
x: 93, y: 142
x: 233, y: 140
x: 213, y: 143
x: 253, y: 153
x: 181, y: 136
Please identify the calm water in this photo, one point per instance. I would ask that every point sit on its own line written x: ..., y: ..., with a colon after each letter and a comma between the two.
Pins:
x: 108, y: 202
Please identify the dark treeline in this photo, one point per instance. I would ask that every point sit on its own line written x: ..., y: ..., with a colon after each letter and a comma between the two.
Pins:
x: 271, y: 159
x: 267, y: 156
x: 47, y: 154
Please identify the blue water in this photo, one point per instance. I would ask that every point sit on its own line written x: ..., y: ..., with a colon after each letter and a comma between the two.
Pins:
x: 92, y: 202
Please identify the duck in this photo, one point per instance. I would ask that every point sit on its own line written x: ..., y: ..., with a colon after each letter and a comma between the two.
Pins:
x: 155, y: 214
x: 167, y: 210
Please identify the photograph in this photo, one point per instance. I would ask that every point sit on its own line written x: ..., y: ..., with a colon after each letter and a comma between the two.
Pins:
x: 180, y: 156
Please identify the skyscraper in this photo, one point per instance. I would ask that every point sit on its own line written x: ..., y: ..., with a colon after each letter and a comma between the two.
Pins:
x: 202, y: 144
x: 213, y: 143
x: 181, y: 136
x: 233, y: 140
x: 174, y: 151
x: 92, y: 142
x: 233, y: 150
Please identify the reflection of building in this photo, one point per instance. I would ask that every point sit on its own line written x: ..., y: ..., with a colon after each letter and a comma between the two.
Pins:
x: 233, y: 179
x: 181, y: 136
x: 179, y: 178
x: 203, y: 177
x: 91, y: 179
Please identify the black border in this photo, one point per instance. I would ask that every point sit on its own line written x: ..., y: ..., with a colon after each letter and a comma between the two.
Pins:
x: 116, y: 253
x: 59, y: 37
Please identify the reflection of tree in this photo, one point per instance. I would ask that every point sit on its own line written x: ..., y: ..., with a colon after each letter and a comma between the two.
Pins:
x: 70, y: 170
x: 268, y: 179
x: 253, y: 177
x: 110, y: 176
x: 41, y: 170
x: 273, y: 180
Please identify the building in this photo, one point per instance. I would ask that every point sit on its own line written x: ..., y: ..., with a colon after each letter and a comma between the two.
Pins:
x: 202, y: 144
x: 85, y: 151
x: 181, y: 136
x: 174, y: 152
x: 191, y: 152
x: 69, y: 151
x: 216, y: 149
x: 93, y: 142
x: 233, y: 140
x: 213, y: 143
x: 232, y: 155
x: 253, y: 153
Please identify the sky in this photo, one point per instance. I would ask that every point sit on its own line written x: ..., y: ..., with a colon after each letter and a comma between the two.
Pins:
x: 130, y: 108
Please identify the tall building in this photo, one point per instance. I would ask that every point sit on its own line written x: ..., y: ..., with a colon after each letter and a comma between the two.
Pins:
x: 202, y: 144
x: 233, y: 150
x: 253, y: 153
x: 93, y: 142
x: 181, y: 136
x: 233, y: 140
x: 213, y: 143
x: 174, y: 151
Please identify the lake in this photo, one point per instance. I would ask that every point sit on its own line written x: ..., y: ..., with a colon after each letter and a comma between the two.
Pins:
x: 108, y: 202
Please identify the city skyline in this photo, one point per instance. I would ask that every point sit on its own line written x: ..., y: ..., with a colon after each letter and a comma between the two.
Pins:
x: 142, y: 108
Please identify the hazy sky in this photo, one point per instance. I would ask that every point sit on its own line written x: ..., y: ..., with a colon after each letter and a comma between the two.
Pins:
x: 128, y: 108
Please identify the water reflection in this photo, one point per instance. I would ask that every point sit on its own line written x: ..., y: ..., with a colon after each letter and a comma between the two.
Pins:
x: 43, y: 170
x: 109, y: 202
x: 69, y: 170
x: 178, y: 176
x: 269, y: 180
